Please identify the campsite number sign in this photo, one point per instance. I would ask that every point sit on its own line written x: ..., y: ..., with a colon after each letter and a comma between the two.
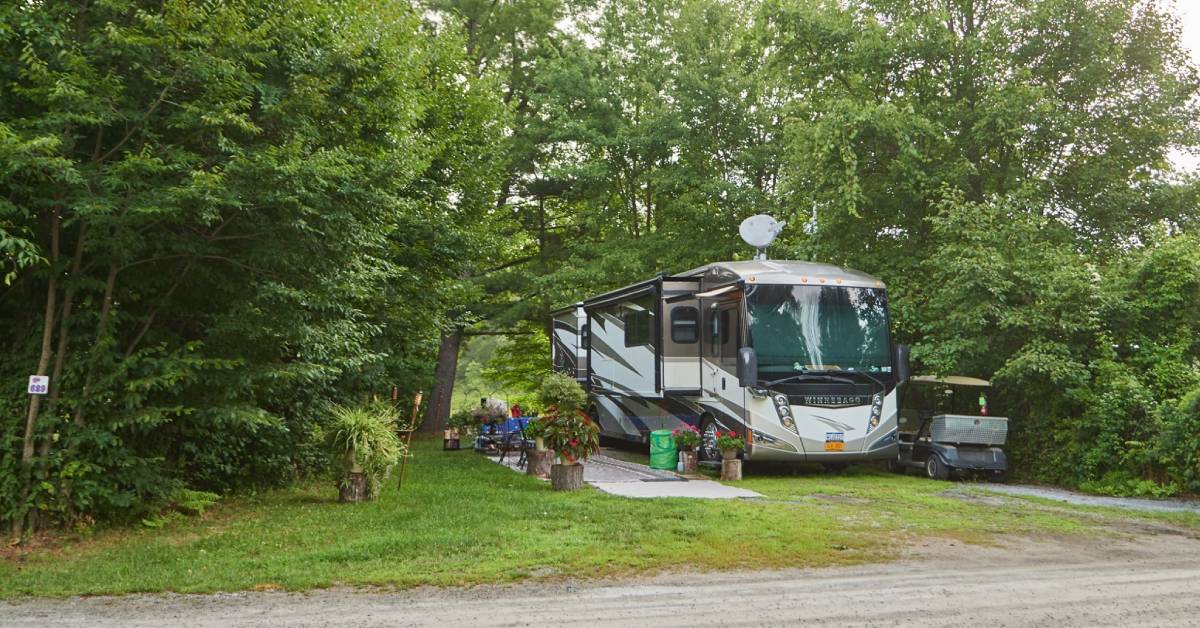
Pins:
x: 39, y: 384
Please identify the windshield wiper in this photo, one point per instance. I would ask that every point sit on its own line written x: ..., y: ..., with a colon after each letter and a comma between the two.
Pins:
x: 874, y: 380
x: 821, y: 377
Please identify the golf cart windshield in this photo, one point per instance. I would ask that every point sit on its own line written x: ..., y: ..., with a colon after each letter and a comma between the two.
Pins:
x: 797, y: 329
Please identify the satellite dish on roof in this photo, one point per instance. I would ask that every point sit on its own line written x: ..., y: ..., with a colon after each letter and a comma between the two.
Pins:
x: 759, y: 232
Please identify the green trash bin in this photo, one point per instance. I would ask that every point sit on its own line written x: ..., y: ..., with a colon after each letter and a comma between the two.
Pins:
x: 662, y: 450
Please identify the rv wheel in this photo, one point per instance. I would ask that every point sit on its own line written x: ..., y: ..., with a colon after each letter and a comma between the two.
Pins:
x: 936, y: 470
x: 894, y: 466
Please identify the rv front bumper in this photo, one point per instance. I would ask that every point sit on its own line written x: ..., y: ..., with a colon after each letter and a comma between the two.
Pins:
x: 969, y: 458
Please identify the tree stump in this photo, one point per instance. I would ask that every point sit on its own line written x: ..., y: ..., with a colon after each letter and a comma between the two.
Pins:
x: 354, y: 488
x: 731, y: 470
x: 689, y: 462
x: 566, y: 477
x: 538, y: 462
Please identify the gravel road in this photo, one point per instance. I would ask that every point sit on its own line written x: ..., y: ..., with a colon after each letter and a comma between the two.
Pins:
x: 1148, y: 576
x: 1071, y: 497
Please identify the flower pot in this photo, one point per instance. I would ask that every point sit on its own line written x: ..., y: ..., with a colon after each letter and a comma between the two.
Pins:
x: 566, y: 477
x: 729, y: 454
x: 538, y: 462
x: 687, y: 460
x: 354, y: 488
x: 731, y: 470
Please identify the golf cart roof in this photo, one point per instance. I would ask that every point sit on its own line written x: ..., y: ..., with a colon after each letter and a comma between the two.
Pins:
x: 953, y: 380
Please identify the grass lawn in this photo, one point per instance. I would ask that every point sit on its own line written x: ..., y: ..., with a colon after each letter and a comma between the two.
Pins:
x: 461, y: 519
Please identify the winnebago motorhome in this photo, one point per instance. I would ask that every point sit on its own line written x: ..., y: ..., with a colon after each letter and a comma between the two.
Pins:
x: 797, y: 357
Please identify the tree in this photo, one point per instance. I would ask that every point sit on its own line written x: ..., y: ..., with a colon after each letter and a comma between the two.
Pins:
x: 244, y: 211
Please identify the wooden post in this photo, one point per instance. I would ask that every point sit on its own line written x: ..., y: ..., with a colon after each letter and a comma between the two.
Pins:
x: 566, y: 477
x: 731, y: 470
x: 408, y: 437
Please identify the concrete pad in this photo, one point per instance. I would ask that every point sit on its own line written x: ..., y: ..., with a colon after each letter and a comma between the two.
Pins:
x: 700, y: 489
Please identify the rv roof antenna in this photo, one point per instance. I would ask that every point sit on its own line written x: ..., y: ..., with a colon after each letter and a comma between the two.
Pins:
x: 759, y: 232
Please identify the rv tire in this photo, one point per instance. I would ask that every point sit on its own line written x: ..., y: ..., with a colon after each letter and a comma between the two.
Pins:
x: 703, y: 453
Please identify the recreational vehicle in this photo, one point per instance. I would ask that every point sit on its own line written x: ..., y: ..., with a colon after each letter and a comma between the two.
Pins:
x: 796, y: 357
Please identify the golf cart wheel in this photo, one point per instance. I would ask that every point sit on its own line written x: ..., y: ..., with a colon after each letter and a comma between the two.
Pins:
x: 894, y: 466
x: 935, y: 470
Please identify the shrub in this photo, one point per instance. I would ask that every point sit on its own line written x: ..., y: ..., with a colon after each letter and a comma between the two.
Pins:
x: 561, y: 393
x: 1180, y: 449
x: 363, y: 439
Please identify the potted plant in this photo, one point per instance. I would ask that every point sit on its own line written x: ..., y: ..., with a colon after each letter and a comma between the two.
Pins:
x: 364, y: 445
x: 730, y: 443
x: 687, y: 439
x: 459, y: 424
x: 539, y: 458
x: 567, y: 430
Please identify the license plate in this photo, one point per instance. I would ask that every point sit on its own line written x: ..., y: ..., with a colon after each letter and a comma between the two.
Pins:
x: 835, y: 441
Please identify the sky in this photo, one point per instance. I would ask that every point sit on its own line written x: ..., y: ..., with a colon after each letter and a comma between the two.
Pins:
x: 1189, y: 14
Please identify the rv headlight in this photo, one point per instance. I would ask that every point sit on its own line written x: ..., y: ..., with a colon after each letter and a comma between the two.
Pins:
x: 876, y: 412
x: 783, y: 408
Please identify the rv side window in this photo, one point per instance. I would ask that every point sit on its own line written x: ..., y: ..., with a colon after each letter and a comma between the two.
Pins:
x: 685, y: 325
x: 637, y: 329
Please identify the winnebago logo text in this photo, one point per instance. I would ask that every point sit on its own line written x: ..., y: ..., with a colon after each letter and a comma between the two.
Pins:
x: 834, y: 400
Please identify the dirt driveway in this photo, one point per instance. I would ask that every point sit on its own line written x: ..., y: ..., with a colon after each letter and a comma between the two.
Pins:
x: 1149, y: 575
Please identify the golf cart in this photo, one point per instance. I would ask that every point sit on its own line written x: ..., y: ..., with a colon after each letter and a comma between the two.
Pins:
x: 945, y: 429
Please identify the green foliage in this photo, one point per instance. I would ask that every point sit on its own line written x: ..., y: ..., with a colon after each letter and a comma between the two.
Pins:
x: 181, y: 503
x: 1180, y: 449
x: 363, y: 439
x: 238, y: 213
x: 572, y: 435
x: 538, y: 427
x: 463, y: 419
x: 561, y: 394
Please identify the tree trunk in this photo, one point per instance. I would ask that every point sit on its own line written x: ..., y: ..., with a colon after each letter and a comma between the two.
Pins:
x: 354, y: 488
x: 566, y: 477
x: 35, y: 401
x: 438, y: 413
x: 110, y: 285
x: 731, y: 470
x: 538, y: 462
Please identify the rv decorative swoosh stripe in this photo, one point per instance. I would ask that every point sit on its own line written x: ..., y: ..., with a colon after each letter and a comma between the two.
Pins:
x: 607, y: 353
x: 831, y: 423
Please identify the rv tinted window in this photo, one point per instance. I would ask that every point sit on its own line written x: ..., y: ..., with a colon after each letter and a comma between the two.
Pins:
x: 685, y: 325
x: 637, y: 329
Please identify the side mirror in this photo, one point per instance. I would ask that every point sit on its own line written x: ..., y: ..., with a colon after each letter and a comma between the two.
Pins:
x: 747, y: 367
x: 902, y: 365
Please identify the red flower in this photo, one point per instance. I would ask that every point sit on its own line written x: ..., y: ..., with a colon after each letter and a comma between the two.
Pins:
x: 574, y: 442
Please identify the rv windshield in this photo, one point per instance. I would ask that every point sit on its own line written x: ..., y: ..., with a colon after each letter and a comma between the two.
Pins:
x: 796, y: 329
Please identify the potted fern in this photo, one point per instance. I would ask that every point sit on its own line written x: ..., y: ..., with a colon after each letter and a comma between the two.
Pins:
x: 365, y: 446
x: 567, y: 430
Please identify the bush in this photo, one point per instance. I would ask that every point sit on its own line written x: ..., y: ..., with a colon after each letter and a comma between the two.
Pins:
x: 561, y: 393
x: 1180, y: 448
x: 364, y: 439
